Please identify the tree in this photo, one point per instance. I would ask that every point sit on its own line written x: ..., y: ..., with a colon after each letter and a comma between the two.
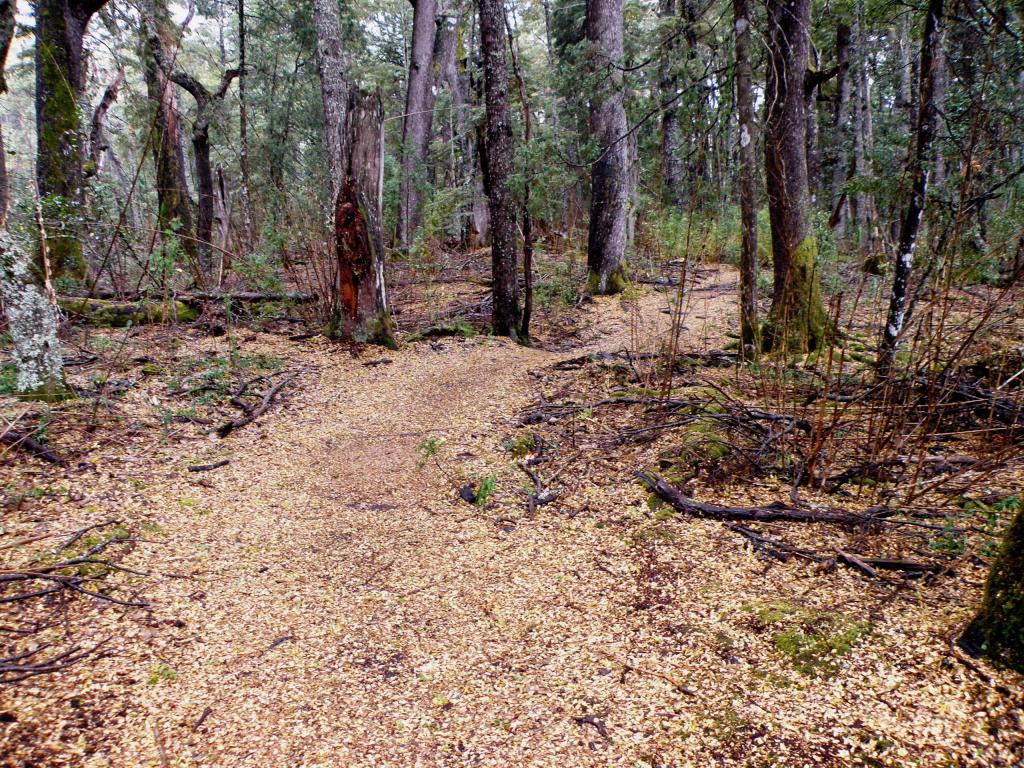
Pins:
x: 206, y: 101
x: 497, y: 164
x: 840, y: 169
x: 174, y: 211
x: 998, y: 629
x: 60, y: 87
x: 24, y: 282
x: 749, y: 330
x: 919, y: 168
x: 668, y: 85
x: 796, y: 321
x: 419, y: 114
x: 609, y: 174
x: 354, y: 125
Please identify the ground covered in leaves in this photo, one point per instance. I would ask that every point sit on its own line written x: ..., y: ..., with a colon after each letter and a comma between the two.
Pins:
x: 414, y: 558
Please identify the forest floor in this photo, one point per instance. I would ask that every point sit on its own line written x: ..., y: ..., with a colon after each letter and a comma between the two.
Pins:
x: 328, y: 599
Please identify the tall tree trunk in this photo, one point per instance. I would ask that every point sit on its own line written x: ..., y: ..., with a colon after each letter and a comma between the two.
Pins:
x: 796, y: 322
x: 497, y: 164
x: 243, y: 135
x: 919, y: 169
x: 840, y: 160
x: 998, y: 630
x: 174, y: 211
x: 527, y: 216
x: 749, y: 330
x: 60, y: 86
x: 863, y: 203
x: 419, y: 115
x: 609, y: 174
x: 668, y: 85
x: 354, y: 125
x: 24, y: 286
x: 811, y: 84
x: 205, y: 102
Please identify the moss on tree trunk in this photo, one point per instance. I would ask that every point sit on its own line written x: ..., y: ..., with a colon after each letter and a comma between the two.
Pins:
x: 797, y: 320
x: 998, y: 630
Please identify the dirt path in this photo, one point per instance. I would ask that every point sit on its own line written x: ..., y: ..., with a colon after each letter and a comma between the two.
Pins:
x: 343, y: 608
x: 327, y: 601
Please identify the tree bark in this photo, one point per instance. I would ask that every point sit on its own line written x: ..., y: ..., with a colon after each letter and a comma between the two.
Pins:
x: 749, y: 330
x: 174, y: 211
x: 497, y: 164
x: 419, y: 115
x: 60, y: 87
x: 609, y: 174
x: 354, y: 125
x: 205, y: 102
x: 243, y: 135
x: 998, y: 630
x: 24, y: 287
x: 840, y: 159
x: 98, y: 143
x: 527, y: 216
x: 919, y: 169
x: 668, y: 85
x: 796, y: 322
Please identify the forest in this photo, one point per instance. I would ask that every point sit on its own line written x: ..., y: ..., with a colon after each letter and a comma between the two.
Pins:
x: 512, y: 383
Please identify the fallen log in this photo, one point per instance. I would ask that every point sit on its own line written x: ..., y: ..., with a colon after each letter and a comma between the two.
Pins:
x: 208, y: 467
x: 121, y: 314
x: 771, y: 512
x: 27, y: 443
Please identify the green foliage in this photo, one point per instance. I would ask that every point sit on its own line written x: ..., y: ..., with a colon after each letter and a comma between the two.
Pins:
x: 814, y: 641
x: 486, y: 488
x: 428, y: 449
x: 161, y: 672
x: 521, y: 446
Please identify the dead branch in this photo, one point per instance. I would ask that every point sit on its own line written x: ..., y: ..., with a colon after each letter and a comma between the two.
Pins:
x: 254, y: 413
x: 25, y: 442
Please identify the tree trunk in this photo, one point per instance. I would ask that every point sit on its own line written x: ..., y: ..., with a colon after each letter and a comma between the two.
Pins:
x: 24, y: 287
x: 749, y: 330
x: 840, y: 160
x: 497, y: 164
x: 609, y: 174
x: 920, y: 166
x: 419, y: 115
x: 863, y: 203
x: 174, y: 211
x: 354, y: 124
x: 60, y: 86
x: 205, y: 102
x: 796, y: 322
x: 243, y: 135
x: 98, y: 143
x: 222, y: 219
x: 811, y: 84
x: 362, y: 312
x: 998, y: 630
x: 668, y: 85
x: 524, y: 101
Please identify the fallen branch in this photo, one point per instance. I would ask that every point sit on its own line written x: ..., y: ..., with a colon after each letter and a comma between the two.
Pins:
x: 228, y: 427
x: 208, y: 467
x: 771, y: 512
x: 27, y: 443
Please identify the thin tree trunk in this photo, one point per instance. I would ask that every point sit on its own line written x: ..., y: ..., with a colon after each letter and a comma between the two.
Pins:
x: 497, y: 164
x: 243, y: 135
x: 524, y: 328
x: 796, y: 322
x: 354, y: 125
x: 920, y: 167
x: 25, y: 289
x: 609, y: 174
x: 60, y: 86
x: 98, y: 143
x: 840, y: 160
x: 668, y: 85
x: 419, y: 115
x: 749, y: 330
x: 174, y: 211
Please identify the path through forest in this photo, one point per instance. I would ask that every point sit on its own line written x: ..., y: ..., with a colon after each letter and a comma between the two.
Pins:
x: 326, y: 599
x: 353, y: 611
